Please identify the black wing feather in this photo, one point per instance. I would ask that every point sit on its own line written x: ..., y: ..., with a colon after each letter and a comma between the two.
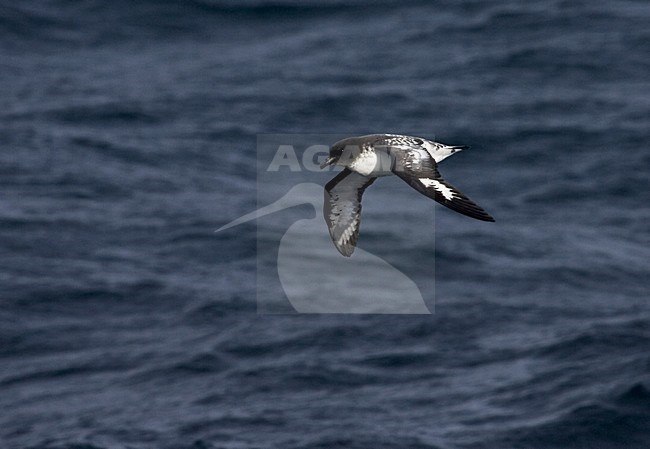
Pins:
x: 420, y: 171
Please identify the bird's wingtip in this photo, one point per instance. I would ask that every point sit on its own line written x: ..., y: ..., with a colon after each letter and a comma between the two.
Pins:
x: 346, y: 251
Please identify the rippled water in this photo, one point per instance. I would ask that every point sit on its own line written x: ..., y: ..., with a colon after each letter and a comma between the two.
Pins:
x: 128, y: 134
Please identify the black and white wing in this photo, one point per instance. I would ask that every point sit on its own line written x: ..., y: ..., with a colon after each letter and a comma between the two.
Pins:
x: 342, y: 209
x: 420, y: 171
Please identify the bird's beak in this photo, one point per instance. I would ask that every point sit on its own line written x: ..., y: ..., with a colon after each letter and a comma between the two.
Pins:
x: 329, y: 161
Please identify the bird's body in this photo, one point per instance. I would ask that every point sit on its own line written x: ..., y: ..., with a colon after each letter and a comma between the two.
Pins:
x: 365, y: 158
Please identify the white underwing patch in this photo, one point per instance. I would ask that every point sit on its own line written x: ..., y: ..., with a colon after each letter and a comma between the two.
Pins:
x: 440, y: 187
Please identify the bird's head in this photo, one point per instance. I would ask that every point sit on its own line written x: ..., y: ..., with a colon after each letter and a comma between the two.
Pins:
x: 342, y: 153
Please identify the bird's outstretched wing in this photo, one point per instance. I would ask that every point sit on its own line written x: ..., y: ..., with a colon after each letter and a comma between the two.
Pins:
x: 342, y: 208
x: 420, y: 171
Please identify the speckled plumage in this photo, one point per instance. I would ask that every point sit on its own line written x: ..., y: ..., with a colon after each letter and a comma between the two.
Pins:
x: 365, y: 158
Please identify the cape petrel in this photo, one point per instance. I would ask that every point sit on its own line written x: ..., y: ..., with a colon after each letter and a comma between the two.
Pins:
x: 366, y: 158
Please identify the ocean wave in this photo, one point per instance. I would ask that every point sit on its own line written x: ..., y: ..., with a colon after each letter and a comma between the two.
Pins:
x: 621, y: 422
x: 98, y: 23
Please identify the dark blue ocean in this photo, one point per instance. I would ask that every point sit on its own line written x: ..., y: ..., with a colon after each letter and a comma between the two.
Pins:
x: 128, y: 134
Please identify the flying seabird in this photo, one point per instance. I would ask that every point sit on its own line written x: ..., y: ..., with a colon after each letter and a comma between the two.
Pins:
x: 366, y: 158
